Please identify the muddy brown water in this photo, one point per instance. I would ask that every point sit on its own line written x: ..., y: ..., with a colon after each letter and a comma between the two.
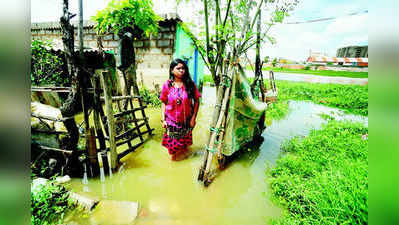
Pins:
x: 168, y: 192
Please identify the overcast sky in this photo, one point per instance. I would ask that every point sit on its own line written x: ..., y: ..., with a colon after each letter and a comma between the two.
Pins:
x: 293, y: 41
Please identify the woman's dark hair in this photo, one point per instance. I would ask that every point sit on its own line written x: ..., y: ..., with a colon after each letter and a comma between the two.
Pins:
x: 187, y: 81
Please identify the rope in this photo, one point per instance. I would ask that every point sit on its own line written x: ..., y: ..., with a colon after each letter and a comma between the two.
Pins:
x: 213, y: 129
x: 213, y: 150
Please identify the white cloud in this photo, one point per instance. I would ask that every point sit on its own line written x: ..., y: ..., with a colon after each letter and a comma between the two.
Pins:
x: 348, y: 25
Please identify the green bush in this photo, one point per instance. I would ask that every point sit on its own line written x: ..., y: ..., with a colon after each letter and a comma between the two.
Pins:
x: 49, y: 204
x: 150, y: 98
x: 127, y: 13
x: 323, y: 178
x: 46, y: 67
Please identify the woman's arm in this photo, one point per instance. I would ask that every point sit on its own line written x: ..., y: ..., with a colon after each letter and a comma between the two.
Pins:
x: 164, y: 125
x: 194, y: 117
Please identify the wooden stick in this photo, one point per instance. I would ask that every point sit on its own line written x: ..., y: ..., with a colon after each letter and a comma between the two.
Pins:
x: 118, y: 98
x: 57, y: 89
x: 48, y: 131
x: 97, y: 106
x: 120, y: 136
x: 133, y: 137
x: 55, y: 149
x: 123, y: 154
x: 130, y: 120
x: 50, y: 118
x: 106, y: 81
x: 129, y: 111
x: 92, y: 147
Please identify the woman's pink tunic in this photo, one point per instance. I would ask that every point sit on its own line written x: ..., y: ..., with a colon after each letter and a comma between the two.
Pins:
x: 178, y: 112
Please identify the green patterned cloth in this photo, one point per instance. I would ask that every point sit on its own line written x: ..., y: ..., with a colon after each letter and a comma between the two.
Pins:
x: 243, y: 115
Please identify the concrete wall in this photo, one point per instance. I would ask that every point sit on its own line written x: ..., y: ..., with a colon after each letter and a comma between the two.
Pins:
x: 153, y: 54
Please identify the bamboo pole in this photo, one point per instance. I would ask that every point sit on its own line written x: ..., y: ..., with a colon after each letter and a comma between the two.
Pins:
x: 220, y: 140
x: 214, y: 134
x: 106, y: 81
x: 216, y: 112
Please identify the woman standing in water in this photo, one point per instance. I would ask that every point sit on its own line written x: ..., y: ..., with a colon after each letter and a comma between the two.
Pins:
x: 180, y: 102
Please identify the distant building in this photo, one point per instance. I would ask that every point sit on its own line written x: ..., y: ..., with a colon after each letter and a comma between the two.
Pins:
x: 338, y: 61
x: 352, y: 56
x: 353, y: 52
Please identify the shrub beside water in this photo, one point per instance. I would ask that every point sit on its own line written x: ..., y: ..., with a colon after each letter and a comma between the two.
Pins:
x: 351, y: 98
x: 323, y: 178
x: 49, y: 204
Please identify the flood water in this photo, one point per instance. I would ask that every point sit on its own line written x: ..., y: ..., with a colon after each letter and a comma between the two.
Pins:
x: 168, y: 192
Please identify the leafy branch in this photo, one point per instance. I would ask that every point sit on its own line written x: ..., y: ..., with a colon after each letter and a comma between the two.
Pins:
x: 121, y: 14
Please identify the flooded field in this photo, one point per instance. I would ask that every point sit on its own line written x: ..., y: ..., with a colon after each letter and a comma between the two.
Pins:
x: 169, y: 193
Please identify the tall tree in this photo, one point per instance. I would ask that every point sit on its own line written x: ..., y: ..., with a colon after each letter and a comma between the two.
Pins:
x: 222, y: 45
x: 128, y: 19
x: 233, y: 30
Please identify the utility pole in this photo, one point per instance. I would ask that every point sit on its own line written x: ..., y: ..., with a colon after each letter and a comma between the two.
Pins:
x: 80, y: 30
x: 83, y: 88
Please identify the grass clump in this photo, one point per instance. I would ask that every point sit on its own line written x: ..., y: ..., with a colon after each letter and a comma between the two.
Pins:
x: 323, y: 178
x: 276, y: 111
x: 329, y: 73
x: 49, y: 204
x: 351, y: 98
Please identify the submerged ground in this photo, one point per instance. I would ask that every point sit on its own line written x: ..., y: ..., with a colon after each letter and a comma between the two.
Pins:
x: 168, y: 192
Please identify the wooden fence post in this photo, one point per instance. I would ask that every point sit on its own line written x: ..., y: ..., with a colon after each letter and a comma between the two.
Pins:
x: 107, y: 84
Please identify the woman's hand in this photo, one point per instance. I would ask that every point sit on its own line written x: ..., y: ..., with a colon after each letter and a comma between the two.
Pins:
x: 192, y: 122
x: 164, y: 124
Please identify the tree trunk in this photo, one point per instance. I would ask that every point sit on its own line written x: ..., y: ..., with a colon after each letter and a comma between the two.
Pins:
x: 71, y: 105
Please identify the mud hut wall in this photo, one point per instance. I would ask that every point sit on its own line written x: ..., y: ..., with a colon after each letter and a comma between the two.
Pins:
x: 153, y: 54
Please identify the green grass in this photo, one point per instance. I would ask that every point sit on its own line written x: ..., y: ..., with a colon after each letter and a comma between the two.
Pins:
x: 323, y: 178
x: 276, y: 111
x: 350, y: 98
x: 329, y: 73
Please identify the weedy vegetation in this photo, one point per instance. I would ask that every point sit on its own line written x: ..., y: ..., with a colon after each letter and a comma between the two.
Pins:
x: 350, y: 98
x: 323, y: 178
x: 50, y: 204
